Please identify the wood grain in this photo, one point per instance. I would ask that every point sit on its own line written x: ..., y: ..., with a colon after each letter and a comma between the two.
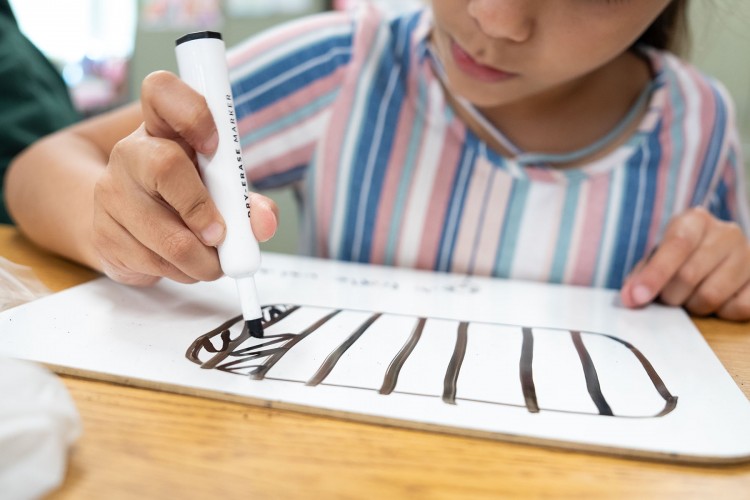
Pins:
x: 139, y: 444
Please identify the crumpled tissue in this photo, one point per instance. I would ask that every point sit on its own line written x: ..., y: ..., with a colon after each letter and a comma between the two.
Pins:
x: 38, y: 424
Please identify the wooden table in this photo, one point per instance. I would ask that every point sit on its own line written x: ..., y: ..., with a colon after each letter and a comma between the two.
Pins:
x: 143, y: 444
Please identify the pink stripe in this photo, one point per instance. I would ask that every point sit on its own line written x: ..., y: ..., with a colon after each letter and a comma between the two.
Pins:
x: 494, y: 218
x: 298, y: 100
x: 467, y: 231
x: 297, y: 157
x: 439, y: 203
x: 329, y: 164
x: 595, y: 209
x: 707, y: 121
x: 541, y: 174
x: 273, y: 38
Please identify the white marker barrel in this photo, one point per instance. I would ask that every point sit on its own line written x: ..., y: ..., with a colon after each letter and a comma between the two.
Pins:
x: 201, y: 59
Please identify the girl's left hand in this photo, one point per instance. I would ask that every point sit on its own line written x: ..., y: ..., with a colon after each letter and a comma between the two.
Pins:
x: 702, y: 263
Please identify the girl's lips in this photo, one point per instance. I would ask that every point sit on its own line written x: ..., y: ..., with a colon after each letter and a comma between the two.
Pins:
x: 468, y: 65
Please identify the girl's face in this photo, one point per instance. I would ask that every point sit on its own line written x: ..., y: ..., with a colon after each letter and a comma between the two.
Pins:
x: 499, y: 52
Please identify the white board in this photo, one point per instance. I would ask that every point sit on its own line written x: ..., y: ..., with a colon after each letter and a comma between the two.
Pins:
x: 525, y: 362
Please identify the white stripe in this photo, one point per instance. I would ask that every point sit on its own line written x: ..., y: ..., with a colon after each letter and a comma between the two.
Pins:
x: 420, y: 191
x: 610, y: 227
x: 364, y: 192
x: 537, y: 236
x: 350, y: 140
x: 692, y: 136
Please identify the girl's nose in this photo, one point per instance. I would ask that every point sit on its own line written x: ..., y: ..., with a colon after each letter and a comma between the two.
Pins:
x: 509, y: 19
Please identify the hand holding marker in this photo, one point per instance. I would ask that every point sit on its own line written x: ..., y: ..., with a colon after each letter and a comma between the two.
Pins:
x: 202, y: 64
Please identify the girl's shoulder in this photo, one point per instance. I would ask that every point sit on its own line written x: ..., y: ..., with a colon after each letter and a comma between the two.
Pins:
x: 690, y: 91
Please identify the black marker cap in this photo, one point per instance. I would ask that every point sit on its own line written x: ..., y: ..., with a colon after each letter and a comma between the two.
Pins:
x: 197, y: 36
x: 255, y: 328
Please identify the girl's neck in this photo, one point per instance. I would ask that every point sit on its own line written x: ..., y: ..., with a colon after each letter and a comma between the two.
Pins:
x: 574, y: 115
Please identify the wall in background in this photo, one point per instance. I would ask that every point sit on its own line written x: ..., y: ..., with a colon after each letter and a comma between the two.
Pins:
x: 721, y: 47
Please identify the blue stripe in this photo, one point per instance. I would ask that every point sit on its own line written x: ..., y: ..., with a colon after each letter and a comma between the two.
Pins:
x: 567, y: 218
x: 719, y: 203
x: 710, y: 162
x: 370, y: 159
x: 323, y: 59
x: 637, y: 210
x: 466, y: 163
x: 378, y: 155
x: 286, y: 177
x: 511, y: 227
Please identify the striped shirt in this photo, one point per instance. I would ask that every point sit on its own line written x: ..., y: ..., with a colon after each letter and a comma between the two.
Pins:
x: 348, y: 110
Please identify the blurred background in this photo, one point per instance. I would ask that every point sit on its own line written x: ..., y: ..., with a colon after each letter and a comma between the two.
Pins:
x: 104, y: 49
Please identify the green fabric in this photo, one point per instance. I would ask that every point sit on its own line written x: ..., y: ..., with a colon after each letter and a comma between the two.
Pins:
x: 34, y: 100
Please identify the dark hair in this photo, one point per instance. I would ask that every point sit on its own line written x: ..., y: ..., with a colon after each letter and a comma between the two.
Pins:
x: 670, y: 30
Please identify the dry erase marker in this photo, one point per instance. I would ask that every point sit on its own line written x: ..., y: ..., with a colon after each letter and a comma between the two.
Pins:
x: 201, y: 59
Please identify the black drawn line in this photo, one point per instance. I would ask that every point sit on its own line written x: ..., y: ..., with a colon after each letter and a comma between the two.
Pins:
x: 226, y: 350
x: 469, y: 400
x: 592, y: 379
x: 256, y: 352
x: 260, y: 372
x: 454, y: 367
x: 669, y: 400
x: 391, y: 375
x: 272, y: 349
x: 527, y: 372
x: 333, y: 358
x: 204, y: 341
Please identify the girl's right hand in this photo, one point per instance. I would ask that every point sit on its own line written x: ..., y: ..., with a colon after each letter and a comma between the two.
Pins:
x: 153, y: 217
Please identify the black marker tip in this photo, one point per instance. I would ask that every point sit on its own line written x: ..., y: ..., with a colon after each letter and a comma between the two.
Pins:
x: 255, y: 328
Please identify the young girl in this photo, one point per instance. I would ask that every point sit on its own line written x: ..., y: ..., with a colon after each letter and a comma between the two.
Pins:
x: 527, y: 139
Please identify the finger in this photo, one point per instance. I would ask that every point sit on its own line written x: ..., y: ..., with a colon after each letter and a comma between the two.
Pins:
x: 627, y: 287
x: 172, y: 109
x: 738, y: 307
x: 164, y: 170
x: 682, y: 237
x: 264, y: 216
x: 712, y: 252
x: 126, y: 260
x: 161, y: 230
x: 722, y: 284
x: 158, y: 227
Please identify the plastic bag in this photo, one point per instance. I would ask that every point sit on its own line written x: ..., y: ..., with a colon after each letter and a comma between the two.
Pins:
x: 18, y: 285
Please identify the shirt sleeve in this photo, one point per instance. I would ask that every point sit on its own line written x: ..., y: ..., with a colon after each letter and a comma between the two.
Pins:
x: 729, y: 198
x: 284, y: 83
x: 34, y: 99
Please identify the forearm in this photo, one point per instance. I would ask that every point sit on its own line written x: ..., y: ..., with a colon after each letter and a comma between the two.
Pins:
x: 49, y: 188
x: 49, y: 191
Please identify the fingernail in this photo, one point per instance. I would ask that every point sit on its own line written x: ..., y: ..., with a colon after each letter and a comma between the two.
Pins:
x: 211, y: 143
x: 641, y: 294
x: 212, y: 234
